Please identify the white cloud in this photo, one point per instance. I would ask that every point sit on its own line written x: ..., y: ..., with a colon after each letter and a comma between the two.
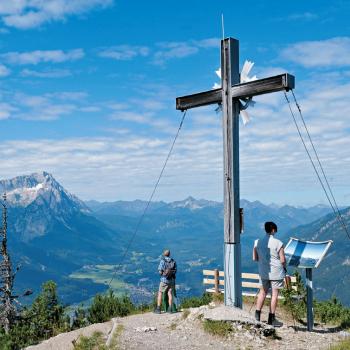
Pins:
x: 208, y: 43
x: 132, y: 117
x: 164, y: 51
x: 5, y: 110
x: 90, y: 109
x: 69, y: 95
x: 49, y: 106
x: 305, y: 16
x: 171, y: 50
x: 25, y: 14
x: 174, y: 50
x: 142, y: 131
x: 4, y: 71
x: 124, y: 52
x: 53, y: 73
x: 40, y: 56
x: 333, y: 52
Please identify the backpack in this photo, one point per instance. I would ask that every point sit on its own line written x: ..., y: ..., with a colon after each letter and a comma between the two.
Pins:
x: 170, y: 269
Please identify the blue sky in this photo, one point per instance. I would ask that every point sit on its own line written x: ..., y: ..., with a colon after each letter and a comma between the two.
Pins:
x: 88, y: 92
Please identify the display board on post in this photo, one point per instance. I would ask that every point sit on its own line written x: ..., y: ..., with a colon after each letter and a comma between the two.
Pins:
x: 306, y: 255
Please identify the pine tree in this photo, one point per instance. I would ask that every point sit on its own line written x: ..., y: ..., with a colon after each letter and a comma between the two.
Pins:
x: 7, y: 307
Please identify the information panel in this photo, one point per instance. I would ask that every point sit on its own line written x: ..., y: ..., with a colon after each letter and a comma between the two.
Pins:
x: 305, y: 254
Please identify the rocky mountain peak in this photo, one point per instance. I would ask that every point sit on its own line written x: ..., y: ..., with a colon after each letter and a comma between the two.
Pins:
x: 24, y: 190
x: 193, y: 204
x: 37, y: 201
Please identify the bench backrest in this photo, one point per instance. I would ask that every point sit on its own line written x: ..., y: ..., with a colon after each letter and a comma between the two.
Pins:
x: 250, y: 282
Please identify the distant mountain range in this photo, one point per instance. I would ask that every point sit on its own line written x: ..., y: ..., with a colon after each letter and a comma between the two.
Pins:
x: 54, y: 235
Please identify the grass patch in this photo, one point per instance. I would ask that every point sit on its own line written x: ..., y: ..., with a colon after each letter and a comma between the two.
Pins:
x: 342, y: 345
x: 95, y: 342
x: 219, y: 328
x: 200, y: 317
x: 185, y: 314
x: 219, y: 298
x: 173, y: 326
x: 117, y: 333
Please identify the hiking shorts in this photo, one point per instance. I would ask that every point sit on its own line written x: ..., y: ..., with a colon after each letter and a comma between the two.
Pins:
x: 271, y: 284
x: 164, y: 287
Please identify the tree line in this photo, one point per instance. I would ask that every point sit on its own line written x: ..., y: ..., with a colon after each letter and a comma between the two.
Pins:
x: 47, y: 317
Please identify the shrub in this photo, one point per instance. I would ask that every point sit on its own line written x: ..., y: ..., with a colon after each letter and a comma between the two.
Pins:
x: 43, y: 319
x: 294, y: 301
x: 332, y: 311
x: 80, y: 318
x: 104, y: 307
x: 5, y: 341
x: 205, y: 299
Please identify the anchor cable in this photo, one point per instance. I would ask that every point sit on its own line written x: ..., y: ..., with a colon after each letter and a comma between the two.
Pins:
x: 149, y: 201
x: 333, y: 205
x: 319, y: 163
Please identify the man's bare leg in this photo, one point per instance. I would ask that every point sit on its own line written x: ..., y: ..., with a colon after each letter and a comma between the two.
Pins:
x: 274, y: 300
x: 159, y: 299
x: 272, y: 319
x: 260, y: 302
x: 261, y: 298
x: 170, y: 297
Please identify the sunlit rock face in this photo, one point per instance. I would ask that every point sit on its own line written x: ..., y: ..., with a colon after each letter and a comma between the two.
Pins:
x: 36, y: 202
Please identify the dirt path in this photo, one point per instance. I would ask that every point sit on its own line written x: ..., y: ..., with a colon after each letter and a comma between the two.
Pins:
x: 185, y: 331
x: 64, y: 341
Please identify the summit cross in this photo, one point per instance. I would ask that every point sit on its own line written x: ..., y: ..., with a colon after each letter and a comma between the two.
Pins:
x: 228, y: 95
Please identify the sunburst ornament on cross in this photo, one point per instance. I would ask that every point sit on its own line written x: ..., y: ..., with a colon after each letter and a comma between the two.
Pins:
x: 244, y: 78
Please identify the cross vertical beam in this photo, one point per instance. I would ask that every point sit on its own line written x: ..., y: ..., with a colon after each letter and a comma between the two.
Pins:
x: 228, y: 95
x: 230, y: 107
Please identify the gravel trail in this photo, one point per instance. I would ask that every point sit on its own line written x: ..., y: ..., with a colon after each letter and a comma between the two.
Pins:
x: 184, y: 330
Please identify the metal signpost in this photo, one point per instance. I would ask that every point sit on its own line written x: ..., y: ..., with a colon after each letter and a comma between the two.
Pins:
x: 307, y: 255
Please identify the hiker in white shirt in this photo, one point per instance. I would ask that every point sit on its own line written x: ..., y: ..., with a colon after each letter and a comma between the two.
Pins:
x: 269, y: 253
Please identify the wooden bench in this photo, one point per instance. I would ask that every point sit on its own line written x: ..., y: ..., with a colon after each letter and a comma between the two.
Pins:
x: 250, y: 282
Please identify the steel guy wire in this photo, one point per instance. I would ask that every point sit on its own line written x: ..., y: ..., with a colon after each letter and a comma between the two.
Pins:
x: 319, y: 163
x: 314, y: 166
x: 149, y: 201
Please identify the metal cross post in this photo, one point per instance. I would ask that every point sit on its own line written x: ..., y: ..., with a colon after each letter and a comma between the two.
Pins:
x: 309, y: 300
x: 228, y: 95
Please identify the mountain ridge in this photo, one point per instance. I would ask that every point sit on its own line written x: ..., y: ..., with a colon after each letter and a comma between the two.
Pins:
x: 57, y: 236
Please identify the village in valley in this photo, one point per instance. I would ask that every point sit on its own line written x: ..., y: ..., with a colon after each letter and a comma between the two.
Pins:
x: 174, y: 175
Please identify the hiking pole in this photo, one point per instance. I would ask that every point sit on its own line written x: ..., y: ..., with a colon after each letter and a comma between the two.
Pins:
x: 256, y: 295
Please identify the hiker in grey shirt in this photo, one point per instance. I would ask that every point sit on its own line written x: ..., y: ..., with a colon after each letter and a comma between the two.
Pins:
x: 269, y: 253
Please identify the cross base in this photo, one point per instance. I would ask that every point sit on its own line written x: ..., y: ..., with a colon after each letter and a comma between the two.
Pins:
x: 232, y: 267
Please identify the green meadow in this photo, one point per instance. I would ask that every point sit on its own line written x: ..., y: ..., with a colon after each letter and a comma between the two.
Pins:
x: 101, y: 274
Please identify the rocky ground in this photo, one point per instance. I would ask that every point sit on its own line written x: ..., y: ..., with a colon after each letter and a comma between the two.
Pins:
x: 184, y: 330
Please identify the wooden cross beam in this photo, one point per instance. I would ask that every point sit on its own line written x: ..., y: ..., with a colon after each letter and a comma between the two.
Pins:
x: 240, y: 91
x: 229, y: 94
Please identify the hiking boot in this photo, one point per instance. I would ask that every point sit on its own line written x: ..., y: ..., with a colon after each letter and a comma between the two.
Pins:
x: 170, y: 310
x: 272, y: 321
x: 257, y: 315
x: 157, y: 310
